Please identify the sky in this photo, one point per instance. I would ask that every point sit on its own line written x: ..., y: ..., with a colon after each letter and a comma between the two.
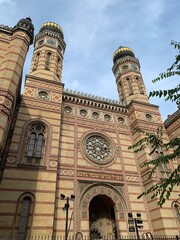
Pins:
x: 94, y: 29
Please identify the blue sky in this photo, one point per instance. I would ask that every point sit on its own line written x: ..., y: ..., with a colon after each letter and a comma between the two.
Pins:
x: 94, y: 29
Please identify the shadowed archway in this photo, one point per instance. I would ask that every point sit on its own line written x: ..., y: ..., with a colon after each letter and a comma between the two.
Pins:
x: 102, y: 220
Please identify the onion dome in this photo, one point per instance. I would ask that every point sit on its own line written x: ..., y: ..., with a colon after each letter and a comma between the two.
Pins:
x: 53, y: 27
x: 122, y: 52
x: 25, y: 24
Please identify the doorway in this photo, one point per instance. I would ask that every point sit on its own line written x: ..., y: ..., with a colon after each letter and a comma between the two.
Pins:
x: 102, y: 220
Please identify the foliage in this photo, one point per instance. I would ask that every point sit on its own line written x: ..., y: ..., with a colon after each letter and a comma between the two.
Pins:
x: 174, y: 93
x: 169, y: 151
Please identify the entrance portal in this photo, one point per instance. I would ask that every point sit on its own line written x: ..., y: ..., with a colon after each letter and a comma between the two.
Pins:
x: 102, y: 220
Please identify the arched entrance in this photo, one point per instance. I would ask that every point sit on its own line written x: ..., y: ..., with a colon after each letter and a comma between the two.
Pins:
x: 102, y: 220
x: 113, y: 207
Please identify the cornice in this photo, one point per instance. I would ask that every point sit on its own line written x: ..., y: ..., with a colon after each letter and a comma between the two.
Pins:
x: 43, y: 80
x: 172, y: 118
x: 93, y: 101
x: 141, y: 103
x: 6, y: 29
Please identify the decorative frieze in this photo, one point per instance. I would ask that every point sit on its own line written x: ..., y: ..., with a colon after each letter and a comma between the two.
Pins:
x: 99, y: 176
x: 42, y: 105
x: 132, y: 178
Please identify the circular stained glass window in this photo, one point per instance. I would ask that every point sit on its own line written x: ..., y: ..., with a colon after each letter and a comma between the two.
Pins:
x: 98, y: 148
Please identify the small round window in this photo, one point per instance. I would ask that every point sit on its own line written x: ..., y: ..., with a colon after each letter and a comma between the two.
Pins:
x: 67, y: 109
x: 83, y: 112
x: 95, y: 115
x: 121, y: 120
x: 148, y: 117
x: 43, y: 94
x: 107, y: 118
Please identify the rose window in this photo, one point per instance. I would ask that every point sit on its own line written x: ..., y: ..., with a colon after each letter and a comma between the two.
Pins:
x: 98, y: 148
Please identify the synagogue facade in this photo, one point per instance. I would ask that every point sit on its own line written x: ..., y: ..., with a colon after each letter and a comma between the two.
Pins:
x: 56, y: 142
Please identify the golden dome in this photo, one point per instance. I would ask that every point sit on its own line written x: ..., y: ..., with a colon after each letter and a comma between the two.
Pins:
x: 122, y: 52
x: 53, y: 27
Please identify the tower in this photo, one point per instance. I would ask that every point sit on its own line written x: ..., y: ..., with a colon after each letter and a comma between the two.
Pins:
x: 14, y: 45
x: 49, y: 47
x: 129, y: 80
x: 35, y: 144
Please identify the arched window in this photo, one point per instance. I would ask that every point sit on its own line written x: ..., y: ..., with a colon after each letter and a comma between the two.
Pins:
x: 176, y: 208
x: 129, y: 85
x: 35, y: 144
x: 36, y: 61
x: 120, y: 88
x: 163, y: 167
x: 24, y: 218
x: 58, y: 70
x: 48, y: 59
x: 139, y: 84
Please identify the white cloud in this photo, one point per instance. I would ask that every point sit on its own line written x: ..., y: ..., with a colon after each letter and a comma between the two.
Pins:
x: 9, y: 2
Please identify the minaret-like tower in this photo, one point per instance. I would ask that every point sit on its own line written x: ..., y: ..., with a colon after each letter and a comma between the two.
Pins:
x: 14, y: 45
x: 49, y: 47
x: 129, y: 80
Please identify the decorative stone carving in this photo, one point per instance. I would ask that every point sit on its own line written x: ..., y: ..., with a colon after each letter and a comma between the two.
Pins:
x: 11, y: 159
x: 53, y: 164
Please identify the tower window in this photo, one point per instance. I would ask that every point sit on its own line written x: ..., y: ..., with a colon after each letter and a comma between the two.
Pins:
x: 129, y: 86
x: 48, y: 59
x: 36, y: 61
x: 120, y: 90
x: 40, y: 43
x: 35, y: 144
x: 125, y: 67
x: 148, y: 117
x: 139, y: 84
x: 58, y: 70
